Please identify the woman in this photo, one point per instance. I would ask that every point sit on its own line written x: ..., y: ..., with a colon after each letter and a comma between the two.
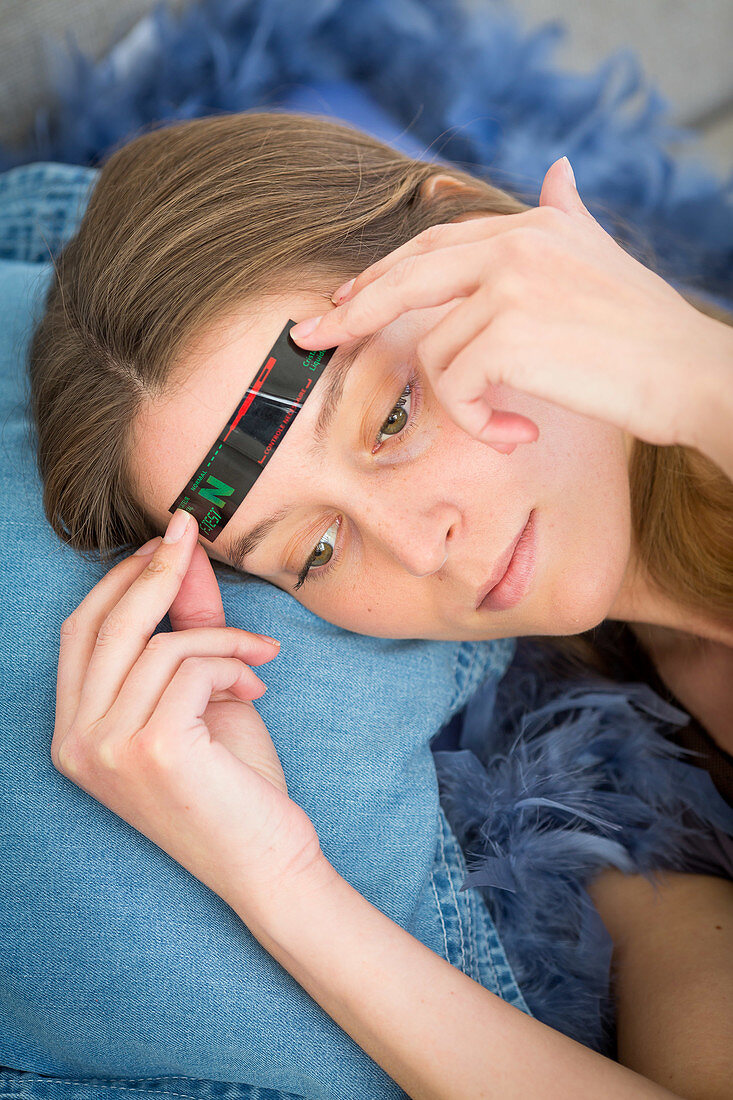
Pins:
x: 165, y: 303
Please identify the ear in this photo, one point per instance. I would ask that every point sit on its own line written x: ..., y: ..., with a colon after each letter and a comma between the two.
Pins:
x: 442, y: 184
x: 559, y: 189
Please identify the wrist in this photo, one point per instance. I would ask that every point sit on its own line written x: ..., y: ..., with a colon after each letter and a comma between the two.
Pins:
x: 269, y: 911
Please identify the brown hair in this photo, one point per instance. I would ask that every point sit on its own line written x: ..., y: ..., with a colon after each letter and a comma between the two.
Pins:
x: 178, y: 232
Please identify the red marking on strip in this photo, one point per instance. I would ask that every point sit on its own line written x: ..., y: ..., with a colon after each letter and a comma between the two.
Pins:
x: 256, y: 385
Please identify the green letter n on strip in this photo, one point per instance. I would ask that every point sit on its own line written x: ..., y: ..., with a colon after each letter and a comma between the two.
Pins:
x: 216, y: 487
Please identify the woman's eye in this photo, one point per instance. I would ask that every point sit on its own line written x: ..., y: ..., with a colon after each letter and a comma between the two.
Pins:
x: 323, y: 552
x: 325, y: 556
x: 398, y: 418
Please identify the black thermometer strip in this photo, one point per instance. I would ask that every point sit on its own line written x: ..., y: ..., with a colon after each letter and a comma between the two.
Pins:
x: 252, y: 434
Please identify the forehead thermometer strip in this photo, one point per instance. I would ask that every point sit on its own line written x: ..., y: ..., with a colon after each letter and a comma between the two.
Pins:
x: 252, y: 434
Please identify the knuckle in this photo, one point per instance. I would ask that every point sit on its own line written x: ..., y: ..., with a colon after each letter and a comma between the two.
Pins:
x: 192, y: 666
x: 157, y: 566
x: 524, y: 242
x: 65, y: 757
x: 160, y: 643
x: 511, y: 289
x: 112, y: 627
x: 108, y: 754
x: 151, y: 746
x: 70, y: 625
x: 402, y: 272
x: 433, y: 236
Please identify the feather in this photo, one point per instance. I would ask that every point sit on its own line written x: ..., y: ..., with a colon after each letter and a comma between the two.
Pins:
x: 556, y: 786
x: 496, y: 102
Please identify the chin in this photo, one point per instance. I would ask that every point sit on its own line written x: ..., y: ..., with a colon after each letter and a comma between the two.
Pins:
x: 579, y: 600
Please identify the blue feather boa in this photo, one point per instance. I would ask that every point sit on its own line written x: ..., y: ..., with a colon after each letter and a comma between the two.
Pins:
x: 436, y: 78
x: 545, y: 788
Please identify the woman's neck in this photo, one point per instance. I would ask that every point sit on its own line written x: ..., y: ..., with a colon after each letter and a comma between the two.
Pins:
x: 691, y: 652
x: 661, y: 624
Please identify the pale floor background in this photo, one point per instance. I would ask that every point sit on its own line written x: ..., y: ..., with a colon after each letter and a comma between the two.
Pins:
x: 684, y: 46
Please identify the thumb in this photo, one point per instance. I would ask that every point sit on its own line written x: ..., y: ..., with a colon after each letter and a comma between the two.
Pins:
x: 559, y: 189
x: 198, y: 601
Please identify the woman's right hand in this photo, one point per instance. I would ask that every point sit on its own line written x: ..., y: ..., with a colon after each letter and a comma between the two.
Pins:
x: 161, y: 729
x: 550, y: 305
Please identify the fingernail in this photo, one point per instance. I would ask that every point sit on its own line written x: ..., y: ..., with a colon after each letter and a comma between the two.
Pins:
x: 149, y: 547
x: 570, y: 172
x: 177, y: 525
x: 305, y: 328
x: 342, y: 291
x: 267, y: 638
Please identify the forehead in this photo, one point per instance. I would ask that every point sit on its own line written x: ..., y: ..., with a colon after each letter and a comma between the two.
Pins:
x: 173, y: 432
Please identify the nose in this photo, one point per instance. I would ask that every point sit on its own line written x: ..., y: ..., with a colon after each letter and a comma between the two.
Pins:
x: 416, y: 534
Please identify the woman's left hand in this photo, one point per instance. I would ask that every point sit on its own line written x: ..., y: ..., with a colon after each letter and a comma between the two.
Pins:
x: 551, y: 305
x: 161, y: 728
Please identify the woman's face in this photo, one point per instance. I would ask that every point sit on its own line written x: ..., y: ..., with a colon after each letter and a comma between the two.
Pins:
x: 426, y: 517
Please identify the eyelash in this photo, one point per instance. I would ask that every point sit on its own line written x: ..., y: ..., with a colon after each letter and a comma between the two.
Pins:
x: 412, y: 390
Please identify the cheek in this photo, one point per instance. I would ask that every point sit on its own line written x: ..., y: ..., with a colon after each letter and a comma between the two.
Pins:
x: 364, y: 608
x: 587, y: 522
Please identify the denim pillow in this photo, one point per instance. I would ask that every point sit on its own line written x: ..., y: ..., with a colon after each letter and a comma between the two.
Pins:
x: 114, y: 960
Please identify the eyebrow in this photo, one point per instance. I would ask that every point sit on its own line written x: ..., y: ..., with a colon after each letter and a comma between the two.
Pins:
x: 238, y: 547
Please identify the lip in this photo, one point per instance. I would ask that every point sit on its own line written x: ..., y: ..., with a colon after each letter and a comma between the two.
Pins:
x: 513, y: 573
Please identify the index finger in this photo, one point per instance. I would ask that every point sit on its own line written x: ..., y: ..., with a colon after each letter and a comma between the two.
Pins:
x: 79, y: 632
x: 416, y: 282
x: 440, y: 235
x: 124, y: 608
x: 115, y: 628
x: 343, y: 323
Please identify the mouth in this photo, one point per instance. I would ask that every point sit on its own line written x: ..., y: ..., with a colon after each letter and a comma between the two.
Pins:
x: 514, y: 571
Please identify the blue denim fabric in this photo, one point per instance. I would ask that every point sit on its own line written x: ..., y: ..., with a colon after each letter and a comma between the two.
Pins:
x: 469, y: 942
x: 115, y: 962
x: 41, y: 206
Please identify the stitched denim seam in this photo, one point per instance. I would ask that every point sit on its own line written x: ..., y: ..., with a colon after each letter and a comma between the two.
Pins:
x: 471, y: 926
x: 488, y: 954
x: 471, y: 940
x: 118, y: 1088
x: 254, y: 1093
x: 451, y: 886
x: 469, y: 902
x: 510, y: 989
x: 440, y: 914
x: 472, y: 936
x: 465, y: 659
x: 471, y: 899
